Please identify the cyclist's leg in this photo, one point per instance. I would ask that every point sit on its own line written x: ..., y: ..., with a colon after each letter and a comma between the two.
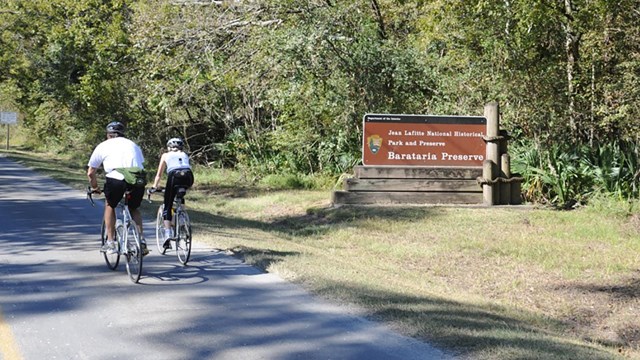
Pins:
x: 169, y: 194
x: 137, y: 218
x: 110, y: 222
x: 113, y: 192
x: 137, y: 193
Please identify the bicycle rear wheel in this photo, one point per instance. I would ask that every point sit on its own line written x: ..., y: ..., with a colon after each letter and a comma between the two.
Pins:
x: 133, y: 252
x: 112, y: 260
x: 183, y: 237
x: 160, y: 231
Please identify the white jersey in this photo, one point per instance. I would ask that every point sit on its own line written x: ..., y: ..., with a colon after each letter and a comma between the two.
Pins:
x: 116, y: 153
x: 176, y: 160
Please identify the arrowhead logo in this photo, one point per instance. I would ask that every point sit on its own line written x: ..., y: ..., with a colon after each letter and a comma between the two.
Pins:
x: 374, y: 142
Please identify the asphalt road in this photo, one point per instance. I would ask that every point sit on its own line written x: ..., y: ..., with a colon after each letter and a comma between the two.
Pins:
x: 58, y: 300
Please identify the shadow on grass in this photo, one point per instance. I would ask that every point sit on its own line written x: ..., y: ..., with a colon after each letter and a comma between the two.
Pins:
x: 625, y: 293
x: 472, y: 331
x: 628, y: 291
x: 261, y: 258
x: 316, y: 221
x: 244, y: 189
x: 324, y: 220
x: 232, y: 192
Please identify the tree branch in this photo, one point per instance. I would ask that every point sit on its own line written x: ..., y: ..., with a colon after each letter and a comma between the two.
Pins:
x: 381, y: 27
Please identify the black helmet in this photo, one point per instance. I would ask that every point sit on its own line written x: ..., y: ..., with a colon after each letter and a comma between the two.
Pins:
x: 175, y: 143
x: 115, y: 127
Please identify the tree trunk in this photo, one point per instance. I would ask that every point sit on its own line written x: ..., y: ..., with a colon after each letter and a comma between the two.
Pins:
x: 572, y: 46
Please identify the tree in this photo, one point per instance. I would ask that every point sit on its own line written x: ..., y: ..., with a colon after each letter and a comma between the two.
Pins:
x: 555, y: 66
x: 69, y: 64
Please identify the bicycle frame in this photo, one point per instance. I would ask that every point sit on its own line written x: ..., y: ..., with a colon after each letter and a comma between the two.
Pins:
x: 126, y: 220
x: 181, y: 227
x: 127, y: 239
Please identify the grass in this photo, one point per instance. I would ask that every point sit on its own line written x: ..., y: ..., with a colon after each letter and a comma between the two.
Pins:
x: 484, y: 283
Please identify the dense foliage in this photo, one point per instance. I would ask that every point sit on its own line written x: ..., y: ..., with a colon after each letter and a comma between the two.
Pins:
x: 280, y: 86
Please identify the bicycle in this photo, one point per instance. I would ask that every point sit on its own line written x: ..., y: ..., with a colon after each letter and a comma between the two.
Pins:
x: 180, y: 223
x: 127, y: 239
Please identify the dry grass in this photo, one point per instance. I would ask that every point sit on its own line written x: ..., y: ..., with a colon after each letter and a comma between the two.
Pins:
x: 497, y: 283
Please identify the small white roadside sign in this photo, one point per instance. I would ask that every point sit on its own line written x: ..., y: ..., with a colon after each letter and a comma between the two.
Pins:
x: 8, y: 117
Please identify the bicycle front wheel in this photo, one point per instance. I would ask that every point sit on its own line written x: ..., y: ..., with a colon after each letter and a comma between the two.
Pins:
x: 133, y: 252
x: 113, y: 259
x: 160, y: 231
x: 183, y: 237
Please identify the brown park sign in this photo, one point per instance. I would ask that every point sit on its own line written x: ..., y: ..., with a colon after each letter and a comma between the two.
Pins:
x: 423, y: 140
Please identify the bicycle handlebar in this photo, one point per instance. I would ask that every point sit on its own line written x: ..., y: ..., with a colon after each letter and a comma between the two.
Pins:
x: 90, y: 192
x: 153, y: 190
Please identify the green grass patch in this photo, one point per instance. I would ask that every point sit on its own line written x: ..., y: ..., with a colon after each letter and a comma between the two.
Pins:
x: 296, y: 181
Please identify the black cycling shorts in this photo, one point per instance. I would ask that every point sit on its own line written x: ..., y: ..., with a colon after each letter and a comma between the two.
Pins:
x: 114, y: 191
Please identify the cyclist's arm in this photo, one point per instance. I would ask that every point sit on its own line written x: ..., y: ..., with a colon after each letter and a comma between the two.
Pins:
x: 161, y: 166
x: 93, y: 178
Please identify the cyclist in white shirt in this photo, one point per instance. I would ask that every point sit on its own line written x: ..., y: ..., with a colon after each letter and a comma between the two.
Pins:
x: 179, y: 174
x: 114, y: 153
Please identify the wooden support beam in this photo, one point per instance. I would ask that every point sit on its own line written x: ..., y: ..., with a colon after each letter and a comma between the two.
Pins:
x: 414, y: 185
x: 393, y: 172
x: 370, y: 198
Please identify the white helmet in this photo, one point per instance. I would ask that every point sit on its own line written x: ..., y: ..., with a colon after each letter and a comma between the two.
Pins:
x: 175, y: 143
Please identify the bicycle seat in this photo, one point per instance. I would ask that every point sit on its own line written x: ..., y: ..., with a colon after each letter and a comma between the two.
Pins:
x: 180, y: 191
